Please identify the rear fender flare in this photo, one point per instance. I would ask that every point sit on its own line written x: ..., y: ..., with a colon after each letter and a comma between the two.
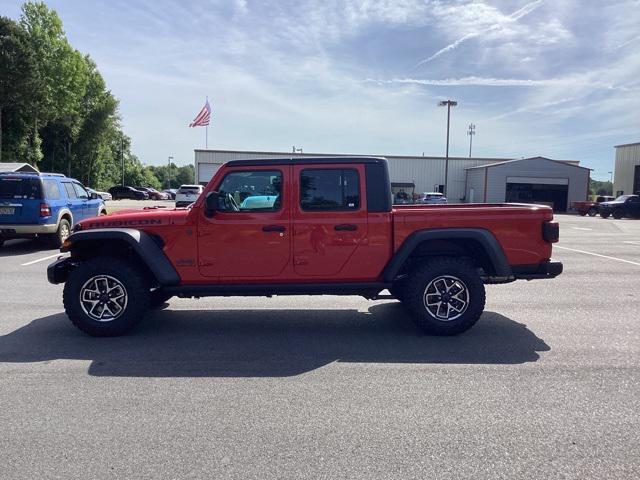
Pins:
x: 142, y: 244
x: 484, y: 237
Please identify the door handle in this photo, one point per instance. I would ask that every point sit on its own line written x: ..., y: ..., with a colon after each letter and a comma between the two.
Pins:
x: 350, y: 227
x: 273, y: 228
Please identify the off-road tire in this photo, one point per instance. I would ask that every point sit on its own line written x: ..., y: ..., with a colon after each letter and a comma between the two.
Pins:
x: 136, y: 291
x: 428, y: 275
x: 592, y: 212
x: 62, y: 233
x: 617, y: 214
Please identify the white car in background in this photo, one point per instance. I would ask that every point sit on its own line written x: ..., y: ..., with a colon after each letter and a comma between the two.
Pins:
x: 102, y: 195
x: 187, y: 194
x: 432, y: 198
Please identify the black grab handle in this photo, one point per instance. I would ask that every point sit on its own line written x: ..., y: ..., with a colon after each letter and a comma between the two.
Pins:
x: 350, y: 227
x: 273, y: 228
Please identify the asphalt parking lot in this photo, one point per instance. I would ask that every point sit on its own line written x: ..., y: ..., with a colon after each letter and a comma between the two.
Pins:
x: 547, y: 385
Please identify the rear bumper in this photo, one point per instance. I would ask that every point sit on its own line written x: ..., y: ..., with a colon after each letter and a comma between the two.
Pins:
x: 549, y: 269
x: 27, y: 229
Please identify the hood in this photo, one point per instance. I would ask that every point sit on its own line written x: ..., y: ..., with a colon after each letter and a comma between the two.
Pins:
x: 147, y: 217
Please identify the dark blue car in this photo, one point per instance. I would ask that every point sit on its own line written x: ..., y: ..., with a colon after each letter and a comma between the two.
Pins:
x: 44, y: 205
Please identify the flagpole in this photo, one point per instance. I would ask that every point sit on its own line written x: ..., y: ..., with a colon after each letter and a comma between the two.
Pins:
x: 206, y: 131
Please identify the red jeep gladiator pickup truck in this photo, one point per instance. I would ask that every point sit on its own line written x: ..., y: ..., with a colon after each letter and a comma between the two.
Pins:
x: 304, y: 226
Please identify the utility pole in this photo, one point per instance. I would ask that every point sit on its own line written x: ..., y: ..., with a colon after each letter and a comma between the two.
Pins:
x: 471, y: 133
x: 611, y: 177
x: 448, y: 104
x: 169, y: 173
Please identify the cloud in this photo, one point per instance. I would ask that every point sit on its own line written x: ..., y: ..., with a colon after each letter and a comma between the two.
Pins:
x: 500, y: 82
x: 480, y: 26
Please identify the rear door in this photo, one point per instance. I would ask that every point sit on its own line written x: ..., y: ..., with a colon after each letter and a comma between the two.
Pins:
x: 74, y: 204
x: 329, y: 217
x: 89, y: 207
x: 20, y: 198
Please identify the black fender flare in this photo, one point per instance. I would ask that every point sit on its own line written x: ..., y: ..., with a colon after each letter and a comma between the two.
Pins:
x: 484, y: 237
x: 142, y: 244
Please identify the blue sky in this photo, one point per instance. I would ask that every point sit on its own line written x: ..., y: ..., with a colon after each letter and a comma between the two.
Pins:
x: 558, y: 78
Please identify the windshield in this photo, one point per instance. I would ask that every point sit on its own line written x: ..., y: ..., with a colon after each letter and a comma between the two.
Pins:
x: 622, y: 198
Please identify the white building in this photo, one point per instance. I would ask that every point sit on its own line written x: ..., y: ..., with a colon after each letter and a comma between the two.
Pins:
x: 426, y: 173
x: 626, y: 178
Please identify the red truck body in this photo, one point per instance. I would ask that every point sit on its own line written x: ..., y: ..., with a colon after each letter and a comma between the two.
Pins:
x: 363, y: 248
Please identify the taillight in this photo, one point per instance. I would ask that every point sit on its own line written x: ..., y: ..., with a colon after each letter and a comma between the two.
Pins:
x: 551, y: 231
x: 45, y: 210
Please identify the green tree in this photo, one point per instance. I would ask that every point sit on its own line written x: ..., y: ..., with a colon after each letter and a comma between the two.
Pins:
x: 62, y: 75
x: 18, y: 84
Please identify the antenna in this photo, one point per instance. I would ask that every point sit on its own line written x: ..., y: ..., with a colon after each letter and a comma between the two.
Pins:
x: 471, y: 133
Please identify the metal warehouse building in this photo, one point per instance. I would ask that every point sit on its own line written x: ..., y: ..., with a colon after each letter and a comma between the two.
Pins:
x: 529, y: 180
x: 468, y: 180
x: 626, y: 179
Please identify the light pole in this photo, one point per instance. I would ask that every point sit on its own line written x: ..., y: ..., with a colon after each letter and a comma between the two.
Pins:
x: 471, y: 133
x: 448, y: 104
x: 169, y: 173
x: 611, y: 177
x: 122, y: 156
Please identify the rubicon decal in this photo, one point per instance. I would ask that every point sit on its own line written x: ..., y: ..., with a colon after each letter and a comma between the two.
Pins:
x: 125, y: 223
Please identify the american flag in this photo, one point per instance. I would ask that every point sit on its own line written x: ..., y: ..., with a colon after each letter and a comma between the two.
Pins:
x: 202, y: 119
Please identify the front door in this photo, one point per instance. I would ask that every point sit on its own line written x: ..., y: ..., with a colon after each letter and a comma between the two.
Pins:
x: 330, y: 217
x: 249, y: 236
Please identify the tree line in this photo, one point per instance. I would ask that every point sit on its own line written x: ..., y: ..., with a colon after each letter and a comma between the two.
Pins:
x: 56, y: 112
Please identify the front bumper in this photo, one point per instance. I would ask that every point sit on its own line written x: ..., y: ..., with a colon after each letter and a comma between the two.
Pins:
x: 58, y: 271
x: 549, y: 269
x: 27, y: 229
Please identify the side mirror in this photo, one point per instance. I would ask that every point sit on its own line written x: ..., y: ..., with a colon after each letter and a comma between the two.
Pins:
x: 211, y: 204
x: 93, y: 195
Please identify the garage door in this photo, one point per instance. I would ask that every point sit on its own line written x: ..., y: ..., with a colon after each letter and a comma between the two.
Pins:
x: 546, y: 191
x: 206, y: 171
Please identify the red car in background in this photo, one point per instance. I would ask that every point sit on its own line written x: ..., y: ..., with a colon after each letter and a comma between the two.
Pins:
x: 154, y: 194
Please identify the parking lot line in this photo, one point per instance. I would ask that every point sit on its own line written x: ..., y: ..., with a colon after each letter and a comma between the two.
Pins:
x: 630, y: 242
x: 581, y: 228
x: 598, y: 255
x: 42, y: 259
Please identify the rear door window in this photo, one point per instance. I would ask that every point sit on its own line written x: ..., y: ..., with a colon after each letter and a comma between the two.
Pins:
x: 71, y: 193
x: 329, y: 189
x: 20, y: 188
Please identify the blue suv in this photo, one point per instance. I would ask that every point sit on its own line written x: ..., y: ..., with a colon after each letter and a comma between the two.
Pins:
x: 44, y: 205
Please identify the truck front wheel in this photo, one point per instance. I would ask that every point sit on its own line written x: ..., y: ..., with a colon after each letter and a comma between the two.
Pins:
x: 446, y: 296
x: 105, y: 296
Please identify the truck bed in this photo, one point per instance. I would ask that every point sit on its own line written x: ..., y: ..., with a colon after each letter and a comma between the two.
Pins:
x: 516, y: 226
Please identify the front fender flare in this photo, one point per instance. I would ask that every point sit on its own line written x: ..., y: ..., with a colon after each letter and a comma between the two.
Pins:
x: 141, y: 243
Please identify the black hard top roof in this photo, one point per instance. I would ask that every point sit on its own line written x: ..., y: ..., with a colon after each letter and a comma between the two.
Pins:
x: 304, y: 161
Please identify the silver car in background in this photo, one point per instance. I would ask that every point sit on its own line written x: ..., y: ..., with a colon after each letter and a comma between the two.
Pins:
x: 187, y: 194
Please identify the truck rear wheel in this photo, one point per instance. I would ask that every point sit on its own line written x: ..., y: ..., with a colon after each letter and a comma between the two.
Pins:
x: 592, y: 211
x: 446, y: 296
x: 105, y: 297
